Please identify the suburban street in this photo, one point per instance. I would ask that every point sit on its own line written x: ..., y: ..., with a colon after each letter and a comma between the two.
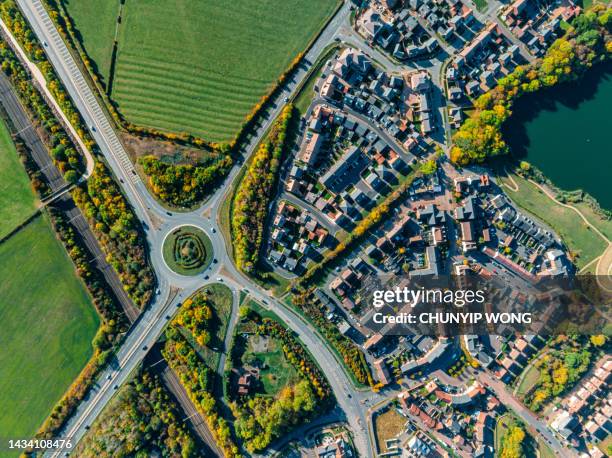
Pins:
x: 525, y: 414
x: 159, y: 222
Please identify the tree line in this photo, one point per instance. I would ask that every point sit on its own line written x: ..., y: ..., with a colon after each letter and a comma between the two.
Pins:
x: 118, y: 230
x: 195, y: 316
x: 186, y: 188
x: 587, y: 42
x: 114, y: 322
x: 250, y: 203
x: 141, y: 421
x: 65, y: 157
x: 195, y: 376
x: 352, y: 356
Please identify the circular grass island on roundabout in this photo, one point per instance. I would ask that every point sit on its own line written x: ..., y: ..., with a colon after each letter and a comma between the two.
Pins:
x: 187, y: 250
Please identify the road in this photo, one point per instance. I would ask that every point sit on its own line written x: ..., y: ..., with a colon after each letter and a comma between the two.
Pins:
x: 39, y: 80
x: 174, y: 288
x: 528, y: 417
x: 22, y: 124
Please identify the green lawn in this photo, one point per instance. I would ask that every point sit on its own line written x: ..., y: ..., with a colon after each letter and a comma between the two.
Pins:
x: 95, y: 22
x: 48, y: 324
x: 277, y: 372
x: 481, y: 5
x: 17, y: 200
x: 578, y: 237
x: 197, y: 66
x: 530, y: 378
x: 188, y: 251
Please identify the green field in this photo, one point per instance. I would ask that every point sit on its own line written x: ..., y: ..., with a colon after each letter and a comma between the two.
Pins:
x: 16, y: 195
x: 579, y: 238
x: 198, y: 66
x: 48, y: 324
x: 95, y: 22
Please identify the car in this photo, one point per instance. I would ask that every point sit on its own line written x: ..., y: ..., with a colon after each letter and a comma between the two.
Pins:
x: 167, y: 317
x: 115, y: 387
x: 93, y: 128
x: 158, y: 291
x: 108, y: 377
x: 45, y: 44
x: 121, y: 180
x: 264, y: 301
x: 219, y: 279
x: 206, y: 277
x: 215, y: 261
x: 286, y: 99
x: 214, y: 231
x: 168, y: 213
x: 145, y: 348
x: 87, y: 427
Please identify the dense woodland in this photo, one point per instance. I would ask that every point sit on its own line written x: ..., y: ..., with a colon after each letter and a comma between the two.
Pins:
x: 142, y: 421
x: 250, y: 204
x: 195, y: 316
x: 184, y: 185
x: 513, y: 441
x: 118, y: 231
x: 587, y: 43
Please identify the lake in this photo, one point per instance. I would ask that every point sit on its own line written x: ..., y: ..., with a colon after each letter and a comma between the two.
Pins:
x: 566, y: 132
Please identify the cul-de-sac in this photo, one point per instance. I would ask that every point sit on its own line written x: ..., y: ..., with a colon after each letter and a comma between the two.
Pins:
x: 204, y: 206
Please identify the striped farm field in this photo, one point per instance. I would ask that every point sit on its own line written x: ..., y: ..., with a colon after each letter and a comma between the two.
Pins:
x: 95, y: 22
x: 200, y: 66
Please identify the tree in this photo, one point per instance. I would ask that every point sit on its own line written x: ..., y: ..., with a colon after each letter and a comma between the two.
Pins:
x: 598, y: 340
x: 71, y: 177
x: 429, y: 167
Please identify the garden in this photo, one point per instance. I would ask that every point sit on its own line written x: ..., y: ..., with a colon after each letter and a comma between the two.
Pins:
x: 187, y: 251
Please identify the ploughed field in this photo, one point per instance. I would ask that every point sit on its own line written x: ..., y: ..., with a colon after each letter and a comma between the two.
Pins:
x: 198, y: 66
x: 48, y: 324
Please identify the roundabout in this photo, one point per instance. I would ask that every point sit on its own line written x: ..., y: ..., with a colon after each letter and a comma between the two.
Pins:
x: 187, y: 250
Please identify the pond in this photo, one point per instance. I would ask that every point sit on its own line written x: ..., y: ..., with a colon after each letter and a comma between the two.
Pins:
x: 567, y: 133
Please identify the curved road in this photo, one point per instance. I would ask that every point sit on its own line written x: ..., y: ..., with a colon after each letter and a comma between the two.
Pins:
x: 158, y: 222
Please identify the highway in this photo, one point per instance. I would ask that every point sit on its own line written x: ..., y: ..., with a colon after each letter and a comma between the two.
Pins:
x: 38, y: 151
x: 173, y: 288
